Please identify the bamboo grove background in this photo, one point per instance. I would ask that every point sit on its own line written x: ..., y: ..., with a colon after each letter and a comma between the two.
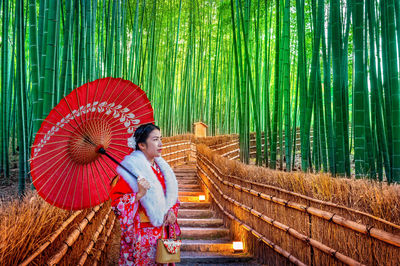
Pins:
x: 278, y: 68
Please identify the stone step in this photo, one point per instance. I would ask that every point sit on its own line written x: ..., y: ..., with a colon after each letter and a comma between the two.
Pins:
x: 186, y: 178
x: 193, y: 222
x: 196, y: 258
x: 194, y: 205
x: 190, y: 193
x: 189, y: 186
x: 194, y: 172
x: 185, y: 172
x: 204, y: 233
x: 200, y: 245
x: 199, y: 213
x: 188, y: 182
x: 185, y: 169
x: 188, y: 198
x: 179, y: 173
x: 197, y: 190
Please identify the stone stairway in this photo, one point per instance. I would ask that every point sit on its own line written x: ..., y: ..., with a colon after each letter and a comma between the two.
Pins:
x: 205, y: 240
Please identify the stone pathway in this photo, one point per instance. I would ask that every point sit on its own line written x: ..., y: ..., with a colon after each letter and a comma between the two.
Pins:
x: 205, y: 240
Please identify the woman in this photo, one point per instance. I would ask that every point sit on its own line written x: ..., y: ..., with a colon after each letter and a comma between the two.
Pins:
x: 144, y: 205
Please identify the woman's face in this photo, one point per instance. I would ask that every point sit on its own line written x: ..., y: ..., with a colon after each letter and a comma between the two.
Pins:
x: 153, y: 145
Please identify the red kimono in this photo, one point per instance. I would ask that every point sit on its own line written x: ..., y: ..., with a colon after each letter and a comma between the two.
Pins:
x: 138, y: 235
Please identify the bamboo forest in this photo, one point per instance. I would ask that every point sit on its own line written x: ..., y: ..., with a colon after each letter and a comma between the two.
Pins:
x: 325, y: 71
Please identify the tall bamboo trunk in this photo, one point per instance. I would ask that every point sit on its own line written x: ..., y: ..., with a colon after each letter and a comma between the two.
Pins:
x: 359, y: 92
x: 21, y: 89
x: 5, y: 91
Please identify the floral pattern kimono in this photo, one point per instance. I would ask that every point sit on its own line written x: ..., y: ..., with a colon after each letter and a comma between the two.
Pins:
x: 138, y: 238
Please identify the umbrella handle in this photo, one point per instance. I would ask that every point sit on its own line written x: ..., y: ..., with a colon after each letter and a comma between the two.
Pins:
x: 101, y: 150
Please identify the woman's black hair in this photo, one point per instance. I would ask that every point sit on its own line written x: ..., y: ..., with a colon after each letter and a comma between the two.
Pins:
x: 142, y: 133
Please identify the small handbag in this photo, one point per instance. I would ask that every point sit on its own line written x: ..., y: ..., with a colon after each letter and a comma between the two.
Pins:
x: 168, y: 250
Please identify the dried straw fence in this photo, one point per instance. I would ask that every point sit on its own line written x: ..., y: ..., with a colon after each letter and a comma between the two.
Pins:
x: 228, y: 145
x: 301, y: 229
x: 179, y: 149
x: 225, y: 145
x: 36, y: 233
x: 304, y: 223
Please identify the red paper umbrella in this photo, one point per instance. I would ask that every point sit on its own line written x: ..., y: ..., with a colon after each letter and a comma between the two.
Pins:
x: 75, y: 151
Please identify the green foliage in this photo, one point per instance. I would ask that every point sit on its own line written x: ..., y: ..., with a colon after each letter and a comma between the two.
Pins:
x: 273, y: 67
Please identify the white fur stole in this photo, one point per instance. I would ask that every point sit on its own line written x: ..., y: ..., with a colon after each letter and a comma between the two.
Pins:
x: 154, y: 202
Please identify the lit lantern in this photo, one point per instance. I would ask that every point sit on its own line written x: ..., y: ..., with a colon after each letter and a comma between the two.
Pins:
x: 238, y: 246
x: 202, y: 197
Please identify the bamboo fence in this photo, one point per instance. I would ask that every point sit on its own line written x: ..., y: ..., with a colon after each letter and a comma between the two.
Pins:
x: 298, y: 228
x: 83, y: 238
x: 310, y: 230
x: 179, y: 152
x: 226, y: 145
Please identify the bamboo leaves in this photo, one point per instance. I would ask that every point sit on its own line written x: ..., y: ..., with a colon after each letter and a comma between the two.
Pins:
x: 273, y: 67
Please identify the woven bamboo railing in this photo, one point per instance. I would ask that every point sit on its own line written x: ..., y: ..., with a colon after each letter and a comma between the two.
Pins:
x: 72, y: 237
x: 285, y: 228
x: 88, y: 249
x: 174, y: 152
x: 239, y: 194
x: 103, y: 244
x: 307, y: 200
x: 329, y: 216
x: 228, y: 148
x: 301, y: 229
x: 51, y: 239
x: 272, y: 245
x: 178, y: 152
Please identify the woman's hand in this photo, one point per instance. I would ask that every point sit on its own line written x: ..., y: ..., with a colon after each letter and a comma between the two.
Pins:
x: 143, y: 185
x: 170, y: 218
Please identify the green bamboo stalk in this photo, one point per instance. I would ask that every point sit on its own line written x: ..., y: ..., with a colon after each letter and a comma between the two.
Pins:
x: 302, y: 66
x: 321, y: 122
x: 42, y: 23
x: 326, y: 56
x: 34, y: 63
x: 117, y: 64
x: 76, y: 52
x: 49, y: 82
x: 42, y: 54
x: 267, y: 73
x: 90, y: 39
x: 256, y: 100
x: 294, y: 121
x: 215, y: 78
x: 338, y: 97
x: 358, y: 95
x: 394, y: 86
x: 276, y: 91
x: 21, y: 89
x: 370, y: 151
x: 377, y: 96
x: 5, y: 91
x: 286, y: 84
x: 110, y: 40
x: 83, y: 70
x: 65, y: 77
x: 173, y: 71
x: 397, y: 13
x: 316, y: 133
x: 345, y: 90
x: 57, y: 92
x: 244, y: 123
x: 239, y: 100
